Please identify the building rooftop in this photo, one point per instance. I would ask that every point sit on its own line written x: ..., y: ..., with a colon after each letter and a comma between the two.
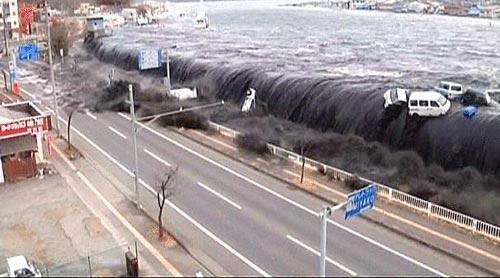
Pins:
x: 15, y: 111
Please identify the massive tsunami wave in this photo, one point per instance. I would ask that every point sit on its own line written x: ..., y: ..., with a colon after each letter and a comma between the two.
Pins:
x: 344, y: 104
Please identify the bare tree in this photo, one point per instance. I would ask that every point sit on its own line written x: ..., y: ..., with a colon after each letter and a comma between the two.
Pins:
x: 165, y: 191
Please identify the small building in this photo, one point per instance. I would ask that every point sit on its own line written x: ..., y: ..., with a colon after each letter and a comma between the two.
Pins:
x: 24, y: 140
x: 130, y: 15
x: 95, y: 26
x: 454, y: 9
x: 95, y: 23
x: 11, y: 18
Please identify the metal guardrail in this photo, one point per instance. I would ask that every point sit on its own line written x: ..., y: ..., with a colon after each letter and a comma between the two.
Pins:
x: 387, y: 192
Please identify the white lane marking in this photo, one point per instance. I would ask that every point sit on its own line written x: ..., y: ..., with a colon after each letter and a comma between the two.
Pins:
x: 170, y: 204
x: 122, y: 219
x: 408, y: 222
x: 315, y: 252
x: 211, y: 235
x: 123, y: 115
x: 388, y: 249
x: 90, y: 115
x: 215, y: 140
x: 157, y: 158
x: 219, y: 195
x: 290, y: 201
x: 117, y: 132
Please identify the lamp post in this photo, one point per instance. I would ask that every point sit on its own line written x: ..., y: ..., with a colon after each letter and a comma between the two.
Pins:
x: 52, y: 77
x: 151, y: 119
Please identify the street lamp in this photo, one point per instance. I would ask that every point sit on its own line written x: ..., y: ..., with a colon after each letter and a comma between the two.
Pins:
x: 52, y: 78
x: 151, y: 119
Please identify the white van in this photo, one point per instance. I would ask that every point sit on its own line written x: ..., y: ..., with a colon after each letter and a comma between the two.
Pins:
x: 428, y: 104
x: 396, y: 96
x: 450, y: 90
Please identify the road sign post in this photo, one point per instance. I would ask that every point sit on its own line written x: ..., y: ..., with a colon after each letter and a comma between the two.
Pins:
x: 357, y: 202
x: 324, y: 222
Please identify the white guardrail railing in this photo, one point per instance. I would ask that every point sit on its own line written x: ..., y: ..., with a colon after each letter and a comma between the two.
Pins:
x: 387, y: 192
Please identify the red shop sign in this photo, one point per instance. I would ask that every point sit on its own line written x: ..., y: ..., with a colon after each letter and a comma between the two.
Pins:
x: 26, y: 126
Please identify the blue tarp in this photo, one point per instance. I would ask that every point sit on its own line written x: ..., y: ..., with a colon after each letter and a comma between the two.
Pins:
x: 470, y: 111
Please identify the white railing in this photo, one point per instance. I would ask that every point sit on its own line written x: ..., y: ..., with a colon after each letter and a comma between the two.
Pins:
x: 387, y: 192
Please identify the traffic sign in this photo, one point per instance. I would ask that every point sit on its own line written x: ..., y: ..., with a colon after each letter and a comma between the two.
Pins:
x: 149, y: 58
x: 360, y: 200
x: 28, y: 51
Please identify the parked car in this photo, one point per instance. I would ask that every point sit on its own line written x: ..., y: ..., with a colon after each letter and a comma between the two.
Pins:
x: 494, y: 94
x: 428, y: 104
x: 19, y: 266
x: 396, y: 96
x: 450, y: 90
x: 475, y: 97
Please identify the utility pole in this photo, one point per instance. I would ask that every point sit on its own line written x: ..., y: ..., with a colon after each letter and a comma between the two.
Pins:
x: 168, y: 73
x: 134, y: 133
x: 52, y: 77
x: 6, y: 40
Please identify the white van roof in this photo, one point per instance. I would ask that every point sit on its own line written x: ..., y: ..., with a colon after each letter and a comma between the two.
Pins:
x: 425, y: 95
x: 450, y: 83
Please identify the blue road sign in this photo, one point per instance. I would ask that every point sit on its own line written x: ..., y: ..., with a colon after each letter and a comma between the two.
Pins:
x: 360, y: 200
x: 149, y: 58
x: 28, y: 51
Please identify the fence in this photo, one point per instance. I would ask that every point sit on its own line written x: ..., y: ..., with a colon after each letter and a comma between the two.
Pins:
x: 387, y: 192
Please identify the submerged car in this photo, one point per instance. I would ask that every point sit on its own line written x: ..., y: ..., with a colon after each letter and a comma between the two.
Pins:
x: 494, y: 94
x: 450, y: 90
x: 475, y: 97
x: 396, y: 96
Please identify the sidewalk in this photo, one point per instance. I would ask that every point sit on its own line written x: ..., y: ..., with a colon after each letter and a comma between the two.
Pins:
x: 43, y: 219
x: 125, y: 222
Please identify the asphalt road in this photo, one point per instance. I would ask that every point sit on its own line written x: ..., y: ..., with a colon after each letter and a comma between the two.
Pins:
x: 248, y: 223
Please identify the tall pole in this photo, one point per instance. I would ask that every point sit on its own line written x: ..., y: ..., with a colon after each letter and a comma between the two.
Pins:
x: 6, y: 40
x: 52, y: 78
x: 322, y: 263
x: 134, y: 135
x: 327, y: 211
x: 168, y: 73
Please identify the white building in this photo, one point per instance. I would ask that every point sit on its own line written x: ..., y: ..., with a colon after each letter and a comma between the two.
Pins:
x: 12, y: 18
x: 130, y: 15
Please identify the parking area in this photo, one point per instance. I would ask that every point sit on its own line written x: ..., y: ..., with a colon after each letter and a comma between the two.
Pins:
x: 44, y: 220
